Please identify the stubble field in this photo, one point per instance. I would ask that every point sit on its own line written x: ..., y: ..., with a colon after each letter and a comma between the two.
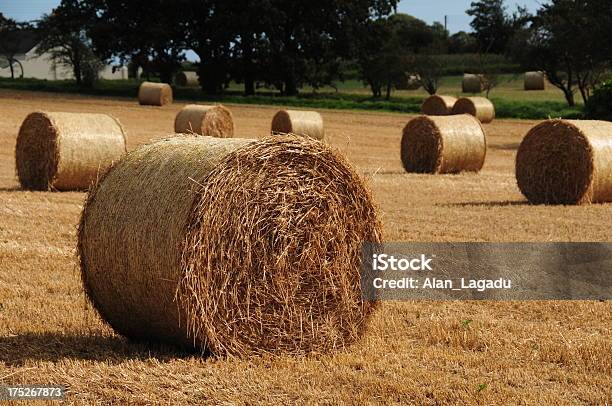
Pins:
x: 428, y: 353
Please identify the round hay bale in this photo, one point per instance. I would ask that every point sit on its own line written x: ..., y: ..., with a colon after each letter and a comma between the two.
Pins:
x: 187, y: 78
x: 566, y: 162
x: 471, y: 83
x: 443, y: 144
x: 479, y: 107
x: 66, y: 151
x: 213, y: 121
x: 438, y: 105
x: 304, y: 123
x: 230, y: 246
x: 154, y: 94
x: 535, y: 81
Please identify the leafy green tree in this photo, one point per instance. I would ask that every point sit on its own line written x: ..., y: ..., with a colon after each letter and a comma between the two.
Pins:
x: 493, y: 25
x: 210, y: 31
x: 560, y: 41
x: 64, y: 36
x: 462, y: 43
x: 10, y: 34
x: 283, y: 43
x: 249, y: 19
x: 430, y: 70
x: 150, y: 33
x: 306, y: 41
x: 387, y: 50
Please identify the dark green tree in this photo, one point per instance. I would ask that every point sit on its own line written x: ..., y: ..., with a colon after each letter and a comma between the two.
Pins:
x: 493, y: 25
x: 306, y: 41
x: 560, y: 41
x: 462, y: 43
x: 149, y: 33
x: 11, y: 36
x: 63, y: 35
x: 210, y: 31
x: 387, y: 50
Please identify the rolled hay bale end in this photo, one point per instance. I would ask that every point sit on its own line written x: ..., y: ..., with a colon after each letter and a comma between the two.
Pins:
x: 471, y: 83
x: 271, y: 266
x: 298, y: 122
x: 154, y: 94
x: 479, y: 107
x: 535, y: 81
x: 187, y: 79
x: 566, y: 162
x: 213, y: 121
x: 443, y: 144
x: 66, y: 151
x: 438, y: 105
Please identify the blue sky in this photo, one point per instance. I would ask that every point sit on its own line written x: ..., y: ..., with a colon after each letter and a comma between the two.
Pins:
x: 428, y: 10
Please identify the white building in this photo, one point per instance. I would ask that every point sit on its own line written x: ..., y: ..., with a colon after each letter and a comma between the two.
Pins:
x: 42, y: 67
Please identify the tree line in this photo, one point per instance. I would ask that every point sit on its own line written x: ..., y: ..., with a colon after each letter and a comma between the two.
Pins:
x: 289, y: 44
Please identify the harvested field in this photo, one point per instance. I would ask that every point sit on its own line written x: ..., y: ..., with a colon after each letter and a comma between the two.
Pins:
x: 415, y: 352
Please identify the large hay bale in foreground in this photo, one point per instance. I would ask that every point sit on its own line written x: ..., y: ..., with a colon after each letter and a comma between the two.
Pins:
x: 479, y: 107
x: 154, y: 94
x: 66, y: 151
x: 566, y: 162
x: 187, y: 78
x: 305, y: 123
x: 230, y: 246
x: 535, y: 81
x: 438, y: 105
x: 443, y: 144
x: 213, y: 121
x: 471, y: 83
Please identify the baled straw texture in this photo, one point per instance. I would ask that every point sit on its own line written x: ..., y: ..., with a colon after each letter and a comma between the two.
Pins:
x: 443, y: 144
x: 213, y: 121
x: 535, y: 81
x: 305, y: 123
x: 230, y: 246
x: 471, y: 83
x: 187, y: 78
x: 479, y: 107
x: 154, y: 94
x: 66, y: 151
x: 566, y: 162
x: 438, y: 105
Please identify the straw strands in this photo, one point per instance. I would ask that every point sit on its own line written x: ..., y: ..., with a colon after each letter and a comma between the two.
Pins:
x: 443, y: 144
x: 438, y: 105
x: 535, y: 81
x: 479, y: 107
x: 566, y: 162
x: 187, y: 78
x: 304, y: 123
x: 154, y: 94
x: 230, y: 246
x: 66, y: 151
x: 213, y: 121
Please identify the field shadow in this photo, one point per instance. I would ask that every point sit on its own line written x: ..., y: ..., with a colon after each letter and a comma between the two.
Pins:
x: 17, y: 350
x: 11, y: 189
x: 503, y: 203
